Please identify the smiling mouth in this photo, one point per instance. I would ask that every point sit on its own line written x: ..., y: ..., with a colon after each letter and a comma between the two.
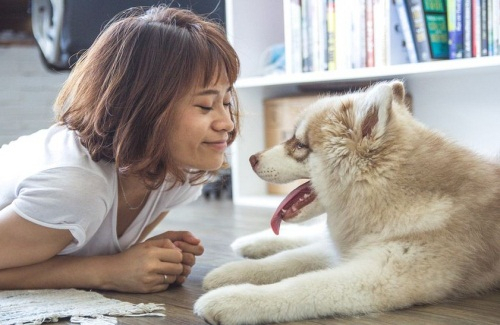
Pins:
x: 218, y: 145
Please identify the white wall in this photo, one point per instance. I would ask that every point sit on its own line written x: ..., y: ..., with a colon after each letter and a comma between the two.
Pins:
x: 463, y: 105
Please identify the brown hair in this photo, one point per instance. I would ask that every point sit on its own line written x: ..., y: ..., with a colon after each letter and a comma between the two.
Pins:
x: 121, y: 92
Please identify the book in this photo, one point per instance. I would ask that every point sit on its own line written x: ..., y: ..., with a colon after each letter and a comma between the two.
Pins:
x: 380, y: 31
x: 343, y: 23
x: 437, y: 29
x: 293, y: 36
x: 358, y: 34
x: 494, y: 40
x: 484, y: 27
x: 322, y: 37
x: 306, y: 41
x: 419, y: 29
x: 330, y: 35
x: 314, y: 35
x: 404, y: 24
x: 370, y: 39
x: 492, y: 6
x: 467, y: 27
x: 476, y: 28
x: 455, y: 31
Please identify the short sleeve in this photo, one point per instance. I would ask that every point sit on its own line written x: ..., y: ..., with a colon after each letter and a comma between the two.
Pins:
x: 65, y: 198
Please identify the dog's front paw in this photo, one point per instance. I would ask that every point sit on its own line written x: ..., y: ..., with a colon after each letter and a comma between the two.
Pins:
x: 266, y: 243
x: 231, y: 273
x: 233, y: 305
x: 257, y: 246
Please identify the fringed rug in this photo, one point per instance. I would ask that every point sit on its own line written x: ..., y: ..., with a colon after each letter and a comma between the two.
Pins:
x: 83, y: 307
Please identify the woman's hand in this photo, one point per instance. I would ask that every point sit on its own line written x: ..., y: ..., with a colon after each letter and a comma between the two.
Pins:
x: 142, y: 268
x: 190, y: 247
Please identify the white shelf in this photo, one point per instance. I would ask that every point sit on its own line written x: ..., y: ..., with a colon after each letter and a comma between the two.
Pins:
x: 380, y: 73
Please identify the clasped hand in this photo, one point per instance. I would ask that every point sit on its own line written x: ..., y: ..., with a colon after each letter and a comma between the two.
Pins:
x: 144, y: 265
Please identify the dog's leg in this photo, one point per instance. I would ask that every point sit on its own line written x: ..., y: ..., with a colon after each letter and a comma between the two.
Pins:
x: 379, y: 281
x: 266, y: 243
x: 273, y: 268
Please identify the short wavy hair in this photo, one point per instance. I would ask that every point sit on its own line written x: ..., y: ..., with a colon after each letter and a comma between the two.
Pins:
x: 120, y: 95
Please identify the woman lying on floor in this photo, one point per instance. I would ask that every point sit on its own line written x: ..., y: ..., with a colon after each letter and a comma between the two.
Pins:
x: 142, y: 121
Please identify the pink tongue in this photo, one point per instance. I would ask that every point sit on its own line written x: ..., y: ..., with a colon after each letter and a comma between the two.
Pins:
x: 276, y: 222
x: 285, y: 204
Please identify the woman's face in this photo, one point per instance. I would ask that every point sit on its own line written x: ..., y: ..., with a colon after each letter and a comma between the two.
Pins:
x: 202, y: 124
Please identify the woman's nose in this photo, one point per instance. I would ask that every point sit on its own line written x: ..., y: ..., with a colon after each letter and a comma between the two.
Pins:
x: 224, y: 121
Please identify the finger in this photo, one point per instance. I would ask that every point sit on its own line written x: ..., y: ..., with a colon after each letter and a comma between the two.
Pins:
x: 186, y: 270
x: 180, y: 279
x: 167, y: 279
x: 173, y: 269
x: 188, y: 248
x: 168, y: 255
x: 188, y: 259
x: 160, y: 242
x: 185, y: 236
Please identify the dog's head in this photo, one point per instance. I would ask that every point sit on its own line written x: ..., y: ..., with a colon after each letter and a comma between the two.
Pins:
x: 337, y: 141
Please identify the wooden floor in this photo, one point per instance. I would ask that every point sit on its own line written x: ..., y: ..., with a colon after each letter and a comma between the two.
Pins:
x: 217, y: 223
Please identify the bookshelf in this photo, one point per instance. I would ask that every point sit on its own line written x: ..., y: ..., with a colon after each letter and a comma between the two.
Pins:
x: 460, y: 98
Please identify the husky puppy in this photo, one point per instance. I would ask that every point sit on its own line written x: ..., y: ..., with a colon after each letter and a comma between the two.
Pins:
x: 412, y: 218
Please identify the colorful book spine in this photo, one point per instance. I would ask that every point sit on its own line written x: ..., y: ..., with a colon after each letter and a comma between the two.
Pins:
x: 476, y: 27
x: 484, y: 26
x: 370, y: 39
x: 293, y: 36
x: 380, y: 22
x: 455, y: 29
x: 495, y: 32
x: 343, y: 28
x: 467, y: 27
x: 437, y: 30
x: 330, y: 25
x: 306, y: 41
x: 419, y: 29
x: 491, y: 25
x: 404, y: 23
x: 358, y: 33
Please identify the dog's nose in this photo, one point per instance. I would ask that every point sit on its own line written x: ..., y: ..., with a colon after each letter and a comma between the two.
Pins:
x: 254, y: 161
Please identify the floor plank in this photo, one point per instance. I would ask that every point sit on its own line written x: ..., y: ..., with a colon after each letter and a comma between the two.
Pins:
x: 217, y: 223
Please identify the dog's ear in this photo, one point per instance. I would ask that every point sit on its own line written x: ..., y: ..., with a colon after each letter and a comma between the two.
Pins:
x: 376, y: 109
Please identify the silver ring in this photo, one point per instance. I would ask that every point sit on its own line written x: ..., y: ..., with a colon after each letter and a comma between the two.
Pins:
x: 165, y: 278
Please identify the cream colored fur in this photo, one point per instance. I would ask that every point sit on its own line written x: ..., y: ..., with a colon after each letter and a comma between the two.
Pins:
x: 412, y: 218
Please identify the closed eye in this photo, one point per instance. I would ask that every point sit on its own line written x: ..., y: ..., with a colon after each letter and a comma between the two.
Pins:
x: 209, y: 108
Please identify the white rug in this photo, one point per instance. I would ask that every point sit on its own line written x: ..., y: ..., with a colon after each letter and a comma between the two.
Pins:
x: 84, y: 307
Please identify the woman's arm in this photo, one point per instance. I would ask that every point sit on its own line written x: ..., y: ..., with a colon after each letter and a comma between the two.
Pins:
x: 28, y: 260
x: 140, y: 269
x: 23, y: 242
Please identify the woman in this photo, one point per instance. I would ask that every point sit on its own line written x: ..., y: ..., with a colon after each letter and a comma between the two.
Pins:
x: 143, y: 119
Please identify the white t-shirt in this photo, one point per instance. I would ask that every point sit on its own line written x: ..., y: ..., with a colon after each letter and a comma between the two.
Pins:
x: 51, y: 180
